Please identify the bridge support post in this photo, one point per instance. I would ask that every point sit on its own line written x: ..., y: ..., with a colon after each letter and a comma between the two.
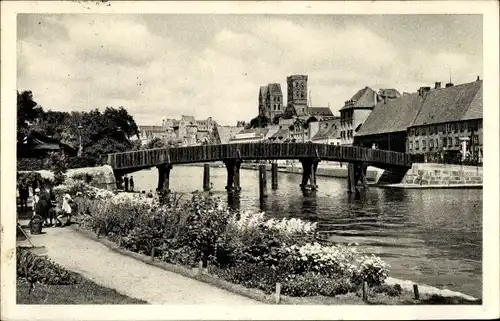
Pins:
x: 262, y: 181
x: 237, y: 164
x: 164, y: 177
x: 233, y: 175
x: 351, y: 178
x: 206, y: 177
x: 274, y: 175
x: 363, y: 171
x: 306, y: 172
x: 314, y: 168
x: 309, y: 167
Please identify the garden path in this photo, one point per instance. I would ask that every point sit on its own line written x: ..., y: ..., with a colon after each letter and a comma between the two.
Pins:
x: 126, y: 275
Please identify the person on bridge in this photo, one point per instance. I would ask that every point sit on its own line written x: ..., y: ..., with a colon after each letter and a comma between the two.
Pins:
x: 131, y: 182
x: 125, y: 180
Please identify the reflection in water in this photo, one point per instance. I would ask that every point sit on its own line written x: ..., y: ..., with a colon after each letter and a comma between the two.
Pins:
x: 428, y: 236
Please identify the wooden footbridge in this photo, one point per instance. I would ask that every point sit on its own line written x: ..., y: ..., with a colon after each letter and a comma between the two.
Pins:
x: 309, y: 154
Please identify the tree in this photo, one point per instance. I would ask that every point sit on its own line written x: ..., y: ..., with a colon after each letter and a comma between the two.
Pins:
x: 156, y: 142
x: 28, y: 111
x: 100, y: 133
x: 260, y: 121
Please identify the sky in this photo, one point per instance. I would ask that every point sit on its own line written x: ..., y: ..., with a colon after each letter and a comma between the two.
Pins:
x: 167, y: 65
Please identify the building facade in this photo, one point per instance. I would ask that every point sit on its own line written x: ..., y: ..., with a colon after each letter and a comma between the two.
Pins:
x: 357, y: 109
x: 297, y: 94
x: 443, y: 125
x: 270, y: 100
x: 187, y: 131
x: 449, y: 125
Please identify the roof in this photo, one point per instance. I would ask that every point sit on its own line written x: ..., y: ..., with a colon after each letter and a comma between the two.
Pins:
x: 393, y: 116
x: 327, y: 129
x: 255, y: 131
x: 227, y: 132
x: 281, y: 133
x: 389, y: 93
x: 321, y: 111
x: 442, y: 105
x: 262, y: 92
x: 151, y: 128
x: 189, y: 119
x: 39, y: 141
x: 275, y: 89
x: 363, y: 98
x: 455, y: 103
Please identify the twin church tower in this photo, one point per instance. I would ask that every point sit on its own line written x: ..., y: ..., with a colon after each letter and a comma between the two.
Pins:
x: 271, y: 98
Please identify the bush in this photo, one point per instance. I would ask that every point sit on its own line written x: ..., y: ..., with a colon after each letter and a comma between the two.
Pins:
x: 38, y: 269
x: 390, y: 290
x: 242, y: 248
x: 312, y: 284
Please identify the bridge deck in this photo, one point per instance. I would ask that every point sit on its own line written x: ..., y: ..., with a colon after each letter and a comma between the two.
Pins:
x: 255, y: 151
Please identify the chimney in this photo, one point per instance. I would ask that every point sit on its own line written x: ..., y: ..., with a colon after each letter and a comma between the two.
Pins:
x: 478, y: 78
x: 449, y: 85
x: 437, y: 85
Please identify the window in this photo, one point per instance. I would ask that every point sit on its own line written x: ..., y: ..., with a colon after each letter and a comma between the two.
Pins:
x: 437, y: 143
x: 416, y: 131
x: 411, y: 145
x: 457, y: 141
x: 424, y: 143
x: 431, y: 144
x: 450, y: 142
x: 416, y: 144
x: 445, y: 141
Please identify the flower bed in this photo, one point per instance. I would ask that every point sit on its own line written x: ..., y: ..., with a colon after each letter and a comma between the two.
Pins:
x: 243, y: 248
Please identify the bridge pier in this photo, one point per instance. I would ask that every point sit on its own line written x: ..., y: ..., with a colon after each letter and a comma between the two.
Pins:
x: 351, y: 179
x: 274, y: 175
x: 164, y: 177
x: 309, y: 167
x: 233, y: 175
x: 206, y: 177
x: 262, y: 182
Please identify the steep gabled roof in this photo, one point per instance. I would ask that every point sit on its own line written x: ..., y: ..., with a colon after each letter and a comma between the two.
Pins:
x: 225, y: 133
x: 275, y: 89
x: 320, y: 111
x: 450, y: 104
x: 363, y: 98
x: 394, y: 116
x: 327, y: 129
x: 389, y: 93
x: 262, y: 93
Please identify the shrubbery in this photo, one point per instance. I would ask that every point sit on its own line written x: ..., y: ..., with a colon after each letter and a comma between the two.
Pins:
x: 39, y: 269
x: 242, y: 248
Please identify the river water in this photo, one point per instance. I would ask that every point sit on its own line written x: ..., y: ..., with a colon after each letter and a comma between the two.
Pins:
x: 429, y: 236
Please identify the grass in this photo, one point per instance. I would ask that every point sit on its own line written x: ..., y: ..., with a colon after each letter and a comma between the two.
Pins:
x: 83, y: 292
x: 405, y: 298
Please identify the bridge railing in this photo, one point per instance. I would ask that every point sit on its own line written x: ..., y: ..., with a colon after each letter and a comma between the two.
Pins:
x: 255, y: 151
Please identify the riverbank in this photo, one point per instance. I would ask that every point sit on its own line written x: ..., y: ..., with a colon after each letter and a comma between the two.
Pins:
x: 427, y: 293
x: 144, y: 279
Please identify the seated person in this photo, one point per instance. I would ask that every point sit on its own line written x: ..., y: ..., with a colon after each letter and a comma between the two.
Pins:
x: 64, y: 214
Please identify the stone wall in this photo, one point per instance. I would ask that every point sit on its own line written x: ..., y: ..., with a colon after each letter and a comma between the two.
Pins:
x: 443, y: 175
x: 102, y: 176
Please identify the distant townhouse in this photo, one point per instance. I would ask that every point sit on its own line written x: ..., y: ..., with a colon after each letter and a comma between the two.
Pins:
x: 250, y: 135
x: 357, y: 109
x: 325, y: 132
